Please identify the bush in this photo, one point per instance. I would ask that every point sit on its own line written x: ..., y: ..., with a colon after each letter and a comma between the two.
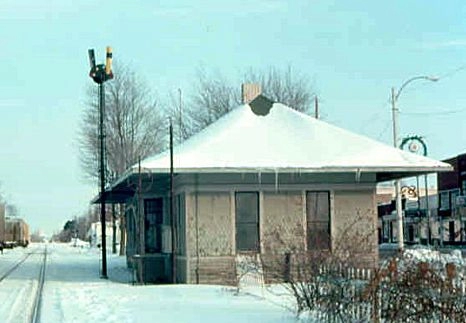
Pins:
x: 402, y: 289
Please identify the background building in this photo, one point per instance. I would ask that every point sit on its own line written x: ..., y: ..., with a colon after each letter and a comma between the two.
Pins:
x: 16, y: 231
x: 452, y: 192
x: 2, y: 222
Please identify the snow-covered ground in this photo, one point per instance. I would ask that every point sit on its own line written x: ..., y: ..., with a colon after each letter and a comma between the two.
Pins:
x: 73, y: 292
x: 17, y: 290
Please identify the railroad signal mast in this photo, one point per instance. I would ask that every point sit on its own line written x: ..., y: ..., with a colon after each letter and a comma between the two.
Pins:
x: 100, y: 74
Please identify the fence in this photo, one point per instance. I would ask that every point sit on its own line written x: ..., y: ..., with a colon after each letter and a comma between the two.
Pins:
x: 249, y: 270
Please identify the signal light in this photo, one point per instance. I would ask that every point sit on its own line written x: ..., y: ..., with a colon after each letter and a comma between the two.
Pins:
x: 91, y: 58
x: 100, y: 73
x: 108, y: 61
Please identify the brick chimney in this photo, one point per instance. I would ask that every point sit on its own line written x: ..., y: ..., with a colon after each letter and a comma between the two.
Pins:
x: 249, y: 91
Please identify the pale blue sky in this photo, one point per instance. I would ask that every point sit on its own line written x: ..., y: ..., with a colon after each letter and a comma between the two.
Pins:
x: 354, y: 51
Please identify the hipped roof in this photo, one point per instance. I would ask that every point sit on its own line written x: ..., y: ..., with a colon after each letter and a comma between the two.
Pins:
x: 284, y: 140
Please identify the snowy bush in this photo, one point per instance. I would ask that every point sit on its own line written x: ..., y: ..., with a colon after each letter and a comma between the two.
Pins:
x: 331, y: 284
x: 420, y: 285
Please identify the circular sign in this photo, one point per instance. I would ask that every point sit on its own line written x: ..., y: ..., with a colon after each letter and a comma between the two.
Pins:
x: 413, y: 147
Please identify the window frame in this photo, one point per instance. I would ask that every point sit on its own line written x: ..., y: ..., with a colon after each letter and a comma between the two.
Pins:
x: 239, y: 247
x: 310, y: 244
x: 453, y: 194
x: 156, y: 226
x: 444, y: 198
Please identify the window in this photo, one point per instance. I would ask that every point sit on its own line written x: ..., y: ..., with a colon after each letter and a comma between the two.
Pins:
x: 247, y: 221
x: 463, y: 187
x: 453, y: 195
x: 444, y: 200
x: 318, y: 220
x: 153, y: 220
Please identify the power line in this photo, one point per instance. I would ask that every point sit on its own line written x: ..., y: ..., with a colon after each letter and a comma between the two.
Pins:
x: 434, y: 113
x: 376, y: 115
x: 383, y: 131
x: 453, y: 72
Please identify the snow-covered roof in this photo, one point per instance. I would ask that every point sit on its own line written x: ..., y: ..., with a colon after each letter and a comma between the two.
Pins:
x: 284, y: 140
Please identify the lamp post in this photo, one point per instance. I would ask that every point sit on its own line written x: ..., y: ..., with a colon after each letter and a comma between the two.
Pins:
x: 394, y: 98
x: 101, y: 73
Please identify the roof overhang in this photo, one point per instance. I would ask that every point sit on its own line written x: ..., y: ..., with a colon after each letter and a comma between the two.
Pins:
x: 396, y: 171
x: 114, y: 195
x: 126, y: 186
x: 382, y: 173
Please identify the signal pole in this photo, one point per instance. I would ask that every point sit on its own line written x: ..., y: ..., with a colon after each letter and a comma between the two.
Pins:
x: 101, y: 73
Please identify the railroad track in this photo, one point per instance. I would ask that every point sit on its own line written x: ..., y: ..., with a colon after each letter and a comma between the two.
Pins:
x: 33, y: 280
x: 35, y: 318
x: 14, y: 267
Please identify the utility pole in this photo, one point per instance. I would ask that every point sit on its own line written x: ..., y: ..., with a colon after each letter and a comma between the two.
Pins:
x: 316, y: 107
x: 429, y: 233
x: 141, y: 229
x: 399, y: 206
x: 172, y: 200
x: 100, y: 74
x: 180, y: 121
x: 394, y: 99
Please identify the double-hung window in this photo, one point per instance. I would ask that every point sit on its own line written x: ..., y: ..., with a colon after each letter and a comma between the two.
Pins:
x: 318, y: 220
x: 247, y: 221
x: 153, y: 220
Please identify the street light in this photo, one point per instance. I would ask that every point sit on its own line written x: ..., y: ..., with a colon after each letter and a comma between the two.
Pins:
x: 100, y: 74
x: 394, y: 98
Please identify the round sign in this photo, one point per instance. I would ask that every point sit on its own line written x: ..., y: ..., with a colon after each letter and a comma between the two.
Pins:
x: 413, y: 146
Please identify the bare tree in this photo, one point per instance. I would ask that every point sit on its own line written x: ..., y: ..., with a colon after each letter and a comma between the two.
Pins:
x: 213, y: 96
x: 286, y: 86
x: 133, y: 125
x: 176, y: 110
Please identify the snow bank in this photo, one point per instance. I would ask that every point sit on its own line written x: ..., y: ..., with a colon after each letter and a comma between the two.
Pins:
x: 435, y: 256
x: 74, y: 292
x: 78, y: 243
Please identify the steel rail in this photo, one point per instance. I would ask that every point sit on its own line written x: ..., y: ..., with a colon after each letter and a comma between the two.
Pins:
x: 35, y: 318
x: 14, y: 267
